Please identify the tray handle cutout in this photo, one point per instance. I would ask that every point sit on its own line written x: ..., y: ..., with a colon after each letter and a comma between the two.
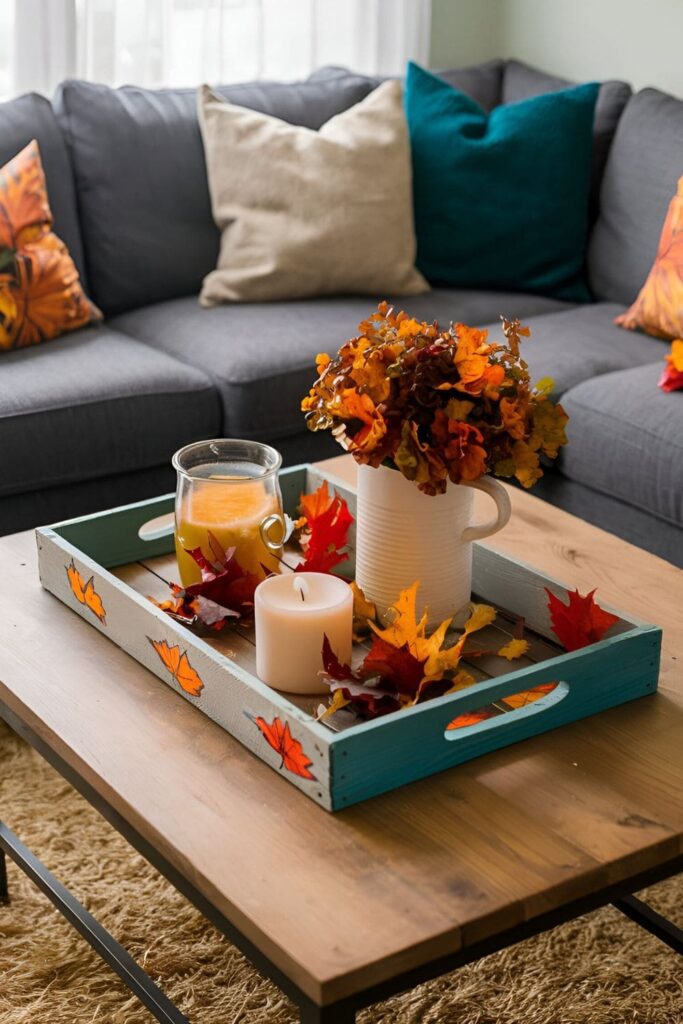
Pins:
x: 160, y: 526
x: 507, y: 710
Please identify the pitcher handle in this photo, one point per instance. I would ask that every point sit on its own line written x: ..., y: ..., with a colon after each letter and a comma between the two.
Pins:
x: 499, y: 494
x: 265, y: 529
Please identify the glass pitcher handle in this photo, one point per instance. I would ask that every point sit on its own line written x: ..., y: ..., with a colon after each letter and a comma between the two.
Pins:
x: 266, y: 526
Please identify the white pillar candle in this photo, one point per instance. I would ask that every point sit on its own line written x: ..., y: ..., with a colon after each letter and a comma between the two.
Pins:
x: 292, y: 614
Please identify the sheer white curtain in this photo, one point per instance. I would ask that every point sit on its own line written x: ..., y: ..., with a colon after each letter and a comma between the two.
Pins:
x: 183, y: 42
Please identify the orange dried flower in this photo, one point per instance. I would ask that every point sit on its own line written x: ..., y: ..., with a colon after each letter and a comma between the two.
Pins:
x: 437, y: 405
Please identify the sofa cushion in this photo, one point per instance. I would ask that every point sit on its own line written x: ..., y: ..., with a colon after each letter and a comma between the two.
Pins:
x: 261, y: 357
x: 658, y: 310
x: 645, y: 162
x: 143, y: 195
x: 481, y: 82
x: 32, y: 117
x: 626, y: 440
x: 520, y: 81
x: 41, y: 295
x: 310, y: 213
x: 581, y: 343
x: 94, y: 403
x: 501, y: 199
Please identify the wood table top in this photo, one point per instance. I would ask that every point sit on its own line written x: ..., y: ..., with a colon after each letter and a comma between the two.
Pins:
x: 343, y: 901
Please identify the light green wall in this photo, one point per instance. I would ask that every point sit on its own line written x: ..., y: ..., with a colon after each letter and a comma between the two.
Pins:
x: 464, y: 32
x: 636, y: 40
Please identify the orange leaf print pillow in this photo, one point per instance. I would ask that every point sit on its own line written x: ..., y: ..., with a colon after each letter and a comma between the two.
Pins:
x: 40, y: 291
x: 658, y: 310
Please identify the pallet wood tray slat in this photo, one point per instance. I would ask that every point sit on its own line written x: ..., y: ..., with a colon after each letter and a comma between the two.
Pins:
x: 354, y: 760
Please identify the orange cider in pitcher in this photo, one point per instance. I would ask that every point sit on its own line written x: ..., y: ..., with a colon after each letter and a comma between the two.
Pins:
x: 230, y: 506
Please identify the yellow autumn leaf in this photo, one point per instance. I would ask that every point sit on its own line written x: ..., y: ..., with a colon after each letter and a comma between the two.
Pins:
x: 514, y: 649
x: 481, y: 615
x: 544, y: 386
x: 338, y: 702
x: 404, y: 627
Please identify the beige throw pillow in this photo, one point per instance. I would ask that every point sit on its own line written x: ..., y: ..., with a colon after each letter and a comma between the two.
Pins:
x: 310, y: 213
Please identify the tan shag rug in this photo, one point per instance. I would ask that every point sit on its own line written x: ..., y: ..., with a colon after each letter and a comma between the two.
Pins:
x: 600, y: 969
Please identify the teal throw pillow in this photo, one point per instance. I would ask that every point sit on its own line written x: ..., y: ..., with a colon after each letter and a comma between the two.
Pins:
x: 501, y: 199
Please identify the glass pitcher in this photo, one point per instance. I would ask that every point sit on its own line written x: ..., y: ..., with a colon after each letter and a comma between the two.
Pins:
x: 228, y: 488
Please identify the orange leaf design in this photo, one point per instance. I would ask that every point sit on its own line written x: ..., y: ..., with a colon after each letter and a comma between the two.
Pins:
x: 76, y: 582
x: 85, y: 593
x: 278, y: 736
x: 179, y: 666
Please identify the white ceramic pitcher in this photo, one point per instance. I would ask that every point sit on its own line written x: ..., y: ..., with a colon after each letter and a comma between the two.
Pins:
x: 403, y: 535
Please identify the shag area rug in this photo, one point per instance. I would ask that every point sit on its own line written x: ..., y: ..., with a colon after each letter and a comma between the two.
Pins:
x: 600, y: 969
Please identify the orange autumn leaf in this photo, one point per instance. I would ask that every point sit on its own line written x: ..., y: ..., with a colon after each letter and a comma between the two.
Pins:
x: 278, y: 736
x: 579, y: 623
x: 179, y: 666
x: 85, y: 593
x: 470, y: 718
x: 520, y: 700
x: 672, y: 374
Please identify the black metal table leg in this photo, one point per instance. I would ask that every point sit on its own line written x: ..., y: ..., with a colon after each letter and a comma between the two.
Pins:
x: 337, y: 1013
x: 92, y: 931
x: 4, y: 891
x: 653, y: 922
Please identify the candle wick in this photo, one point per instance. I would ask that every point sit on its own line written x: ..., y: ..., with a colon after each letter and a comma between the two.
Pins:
x: 301, y: 586
x: 303, y: 596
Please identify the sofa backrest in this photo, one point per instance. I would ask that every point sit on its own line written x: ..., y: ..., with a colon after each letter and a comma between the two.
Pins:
x: 521, y: 81
x: 481, y: 82
x: 139, y: 167
x: 32, y: 117
x: 644, y: 165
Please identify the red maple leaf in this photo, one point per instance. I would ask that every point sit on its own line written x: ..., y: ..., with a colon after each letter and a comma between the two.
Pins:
x: 225, y: 584
x: 328, y: 520
x: 333, y: 666
x: 579, y: 623
x: 395, y: 666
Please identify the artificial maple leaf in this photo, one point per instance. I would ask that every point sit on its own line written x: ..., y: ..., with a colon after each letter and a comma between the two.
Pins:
x: 364, y: 612
x: 396, y: 666
x: 279, y: 737
x: 367, y: 702
x: 337, y: 702
x: 227, y: 585
x: 328, y: 521
x: 513, y: 649
x: 579, y: 623
x: 333, y: 666
x: 672, y: 374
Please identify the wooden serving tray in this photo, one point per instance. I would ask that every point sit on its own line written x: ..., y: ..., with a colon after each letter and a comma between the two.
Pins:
x: 354, y: 760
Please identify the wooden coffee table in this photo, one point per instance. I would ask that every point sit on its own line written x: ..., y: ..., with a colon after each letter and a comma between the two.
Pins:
x: 343, y: 910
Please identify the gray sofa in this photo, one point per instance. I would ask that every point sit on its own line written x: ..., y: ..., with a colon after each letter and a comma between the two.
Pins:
x: 91, y: 420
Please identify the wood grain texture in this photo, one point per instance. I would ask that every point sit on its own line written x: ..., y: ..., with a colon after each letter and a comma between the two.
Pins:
x: 341, y: 902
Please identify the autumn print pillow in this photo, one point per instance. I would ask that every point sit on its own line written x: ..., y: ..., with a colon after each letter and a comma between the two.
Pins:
x: 40, y: 291
x: 658, y: 310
